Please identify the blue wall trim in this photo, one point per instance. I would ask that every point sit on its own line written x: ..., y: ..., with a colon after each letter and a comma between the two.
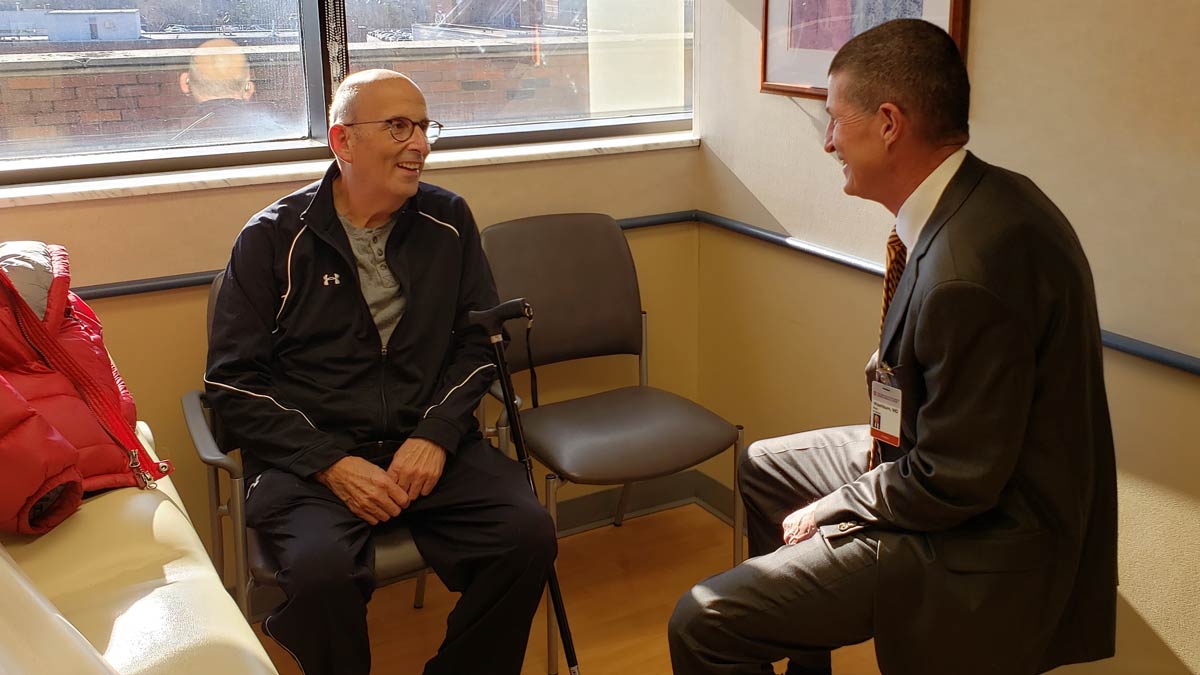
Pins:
x: 146, y: 285
x: 1121, y: 343
x: 1152, y: 352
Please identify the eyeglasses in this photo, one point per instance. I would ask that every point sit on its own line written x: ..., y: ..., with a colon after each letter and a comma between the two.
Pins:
x: 401, y: 128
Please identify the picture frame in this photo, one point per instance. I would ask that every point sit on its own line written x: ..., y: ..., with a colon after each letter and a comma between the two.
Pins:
x: 800, y: 37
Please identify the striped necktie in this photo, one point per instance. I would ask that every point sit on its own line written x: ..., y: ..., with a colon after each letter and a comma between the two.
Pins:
x: 897, y: 258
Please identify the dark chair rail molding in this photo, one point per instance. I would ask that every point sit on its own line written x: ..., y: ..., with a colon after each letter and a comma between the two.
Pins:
x: 151, y: 285
x: 1121, y: 343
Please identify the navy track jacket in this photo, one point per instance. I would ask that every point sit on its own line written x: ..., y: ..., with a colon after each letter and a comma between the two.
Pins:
x: 297, y: 374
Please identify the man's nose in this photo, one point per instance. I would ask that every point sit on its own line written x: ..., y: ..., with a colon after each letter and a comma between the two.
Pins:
x: 829, y: 137
x: 418, y: 141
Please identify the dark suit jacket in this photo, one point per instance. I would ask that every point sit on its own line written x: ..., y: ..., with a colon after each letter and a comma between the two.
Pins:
x: 997, y: 515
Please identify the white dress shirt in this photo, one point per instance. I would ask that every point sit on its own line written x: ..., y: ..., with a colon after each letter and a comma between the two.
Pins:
x: 915, y: 211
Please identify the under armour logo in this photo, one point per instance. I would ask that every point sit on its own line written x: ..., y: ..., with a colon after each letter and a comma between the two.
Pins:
x: 335, y: 279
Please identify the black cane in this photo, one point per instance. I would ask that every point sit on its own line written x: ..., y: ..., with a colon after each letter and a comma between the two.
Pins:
x: 492, y: 320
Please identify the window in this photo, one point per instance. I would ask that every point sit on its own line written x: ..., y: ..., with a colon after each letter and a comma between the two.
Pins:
x: 106, y: 75
x: 81, y: 77
x: 492, y: 62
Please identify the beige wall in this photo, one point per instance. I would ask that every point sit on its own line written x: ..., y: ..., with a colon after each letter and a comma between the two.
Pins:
x: 193, y: 231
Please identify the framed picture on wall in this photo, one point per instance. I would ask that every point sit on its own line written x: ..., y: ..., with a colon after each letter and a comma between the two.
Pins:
x: 800, y: 37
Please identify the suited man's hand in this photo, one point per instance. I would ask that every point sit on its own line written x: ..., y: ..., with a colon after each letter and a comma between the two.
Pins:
x: 417, y: 466
x: 800, y: 525
x: 365, y: 489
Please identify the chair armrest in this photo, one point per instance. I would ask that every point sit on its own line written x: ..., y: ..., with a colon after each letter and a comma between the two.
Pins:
x: 497, y: 393
x: 202, y: 437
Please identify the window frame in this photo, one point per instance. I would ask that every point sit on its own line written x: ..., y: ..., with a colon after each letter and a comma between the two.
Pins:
x: 325, y: 60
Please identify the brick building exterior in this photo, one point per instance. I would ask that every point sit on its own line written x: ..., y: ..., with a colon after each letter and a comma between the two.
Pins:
x: 68, y: 103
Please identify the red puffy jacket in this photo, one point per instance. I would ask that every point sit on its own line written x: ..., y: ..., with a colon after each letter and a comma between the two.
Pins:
x: 66, y: 418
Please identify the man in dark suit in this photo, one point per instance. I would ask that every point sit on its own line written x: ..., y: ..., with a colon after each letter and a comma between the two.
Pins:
x: 974, y: 532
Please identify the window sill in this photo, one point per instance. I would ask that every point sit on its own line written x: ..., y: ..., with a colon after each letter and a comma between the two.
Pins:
x: 206, y: 179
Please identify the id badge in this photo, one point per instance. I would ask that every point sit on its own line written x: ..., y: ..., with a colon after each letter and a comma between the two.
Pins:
x: 886, y: 399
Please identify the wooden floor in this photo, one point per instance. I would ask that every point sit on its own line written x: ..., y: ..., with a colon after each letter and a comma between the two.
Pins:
x: 620, y: 586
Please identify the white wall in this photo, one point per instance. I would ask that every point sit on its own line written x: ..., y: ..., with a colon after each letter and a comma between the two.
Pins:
x: 646, y: 73
x: 1094, y: 99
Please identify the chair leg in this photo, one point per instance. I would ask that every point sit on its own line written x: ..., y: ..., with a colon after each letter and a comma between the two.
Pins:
x: 622, y: 504
x: 504, y: 440
x: 419, y: 595
x: 214, y: 523
x: 739, y: 509
x: 551, y: 621
x: 237, y: 517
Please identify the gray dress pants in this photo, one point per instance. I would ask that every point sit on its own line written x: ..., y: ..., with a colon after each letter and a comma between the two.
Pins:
x: 798, y: 601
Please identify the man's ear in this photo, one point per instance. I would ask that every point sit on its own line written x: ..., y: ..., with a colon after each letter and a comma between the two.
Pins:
x: 341, y: 143
x: 248, y: 90
x: 894, y: 123
x: 185, y: 84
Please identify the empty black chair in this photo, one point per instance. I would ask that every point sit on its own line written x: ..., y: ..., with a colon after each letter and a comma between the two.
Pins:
x: 577, y: 273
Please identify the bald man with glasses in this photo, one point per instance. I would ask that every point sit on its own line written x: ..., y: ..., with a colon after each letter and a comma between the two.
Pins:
x: 342, y: 363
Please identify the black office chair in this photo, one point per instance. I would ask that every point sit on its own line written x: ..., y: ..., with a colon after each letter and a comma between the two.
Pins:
x: 577, y: 273
x: 396, y: 556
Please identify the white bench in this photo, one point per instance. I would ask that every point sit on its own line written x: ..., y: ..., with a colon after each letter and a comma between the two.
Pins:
x: 130, y: 575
